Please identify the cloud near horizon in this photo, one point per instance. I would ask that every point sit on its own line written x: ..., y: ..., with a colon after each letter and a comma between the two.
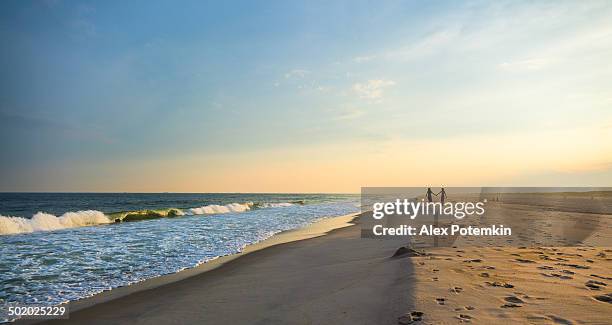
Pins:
x: 372, y: 89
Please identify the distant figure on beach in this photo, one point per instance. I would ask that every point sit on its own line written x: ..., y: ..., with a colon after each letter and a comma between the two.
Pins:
x: 429, y: 194
x: 442, y: 194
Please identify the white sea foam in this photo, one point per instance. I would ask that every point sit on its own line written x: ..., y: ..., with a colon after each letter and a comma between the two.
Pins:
x: 277, y: 205
x: 234, y: 207
x: 45, y: 222
x: 216, y: 209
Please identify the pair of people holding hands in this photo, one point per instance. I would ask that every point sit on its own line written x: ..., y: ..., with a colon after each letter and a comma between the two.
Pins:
x: 430, y: 195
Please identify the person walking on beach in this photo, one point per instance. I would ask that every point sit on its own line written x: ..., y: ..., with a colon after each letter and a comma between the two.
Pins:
x: 443, y: 196
x: 429, y: 194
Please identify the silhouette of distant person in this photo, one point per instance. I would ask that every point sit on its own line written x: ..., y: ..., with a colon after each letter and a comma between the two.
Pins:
x: 443, y: 196
x: 429, y: 194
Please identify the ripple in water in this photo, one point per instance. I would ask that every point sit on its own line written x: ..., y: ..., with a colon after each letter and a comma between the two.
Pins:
x: 59, y: 266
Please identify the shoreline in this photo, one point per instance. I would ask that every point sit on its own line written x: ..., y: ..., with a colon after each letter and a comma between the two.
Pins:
x: 319, y: 228
x: 339, y: 277
x: 335, y: 276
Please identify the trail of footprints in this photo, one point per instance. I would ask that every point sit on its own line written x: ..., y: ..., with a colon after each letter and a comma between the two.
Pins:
x: 512, y: 301
x: 559, y: 271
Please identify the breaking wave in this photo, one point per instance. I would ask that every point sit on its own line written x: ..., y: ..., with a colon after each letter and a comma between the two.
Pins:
x: 276, y: 205
x: 216, y: 209
x: 234, y: 207
x: 46, y: 222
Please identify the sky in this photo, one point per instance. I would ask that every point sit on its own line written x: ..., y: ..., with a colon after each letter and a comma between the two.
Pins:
x: 303, y: 96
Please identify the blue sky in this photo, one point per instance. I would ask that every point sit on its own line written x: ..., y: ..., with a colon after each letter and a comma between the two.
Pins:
x: 197, y: 96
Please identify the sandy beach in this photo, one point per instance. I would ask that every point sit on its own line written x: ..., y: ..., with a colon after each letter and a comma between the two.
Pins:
x: 327, y: 274
x: 336, y: 278
x: 564, y: 285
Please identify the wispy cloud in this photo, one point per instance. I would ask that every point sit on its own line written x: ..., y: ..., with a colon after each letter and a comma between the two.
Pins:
x: 372, y: 89
x: 350, y: 114
x: 363, y: 58
x: 297, y: 73
x: 527, y: 64
x: 428, y: 45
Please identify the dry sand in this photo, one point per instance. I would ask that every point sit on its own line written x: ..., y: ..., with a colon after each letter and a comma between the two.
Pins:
x: 514, y: 286
x: 484, y: 284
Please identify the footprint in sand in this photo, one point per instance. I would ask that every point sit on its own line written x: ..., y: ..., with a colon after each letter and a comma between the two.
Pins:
x: 601, y: 277
x: 559, y: 320
x: 546, y: 267
x: 405, y: 251
x: 411, y: 318
x: 464, y: 318
x: 595, y: 285
x: 484, y: 274
x: 514, y: 299
x: 475, y: 260
x: 440, y: 301
x: 510, y: 305
x: 556, y: 275
x: 604, y: 298
x: 456, y: 289
x: 522, y: 260
x: 576, y: 266
x: 500, y: 284
x: 512, y: 302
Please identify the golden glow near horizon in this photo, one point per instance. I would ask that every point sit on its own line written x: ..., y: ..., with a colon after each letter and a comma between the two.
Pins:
x: 571, y: 157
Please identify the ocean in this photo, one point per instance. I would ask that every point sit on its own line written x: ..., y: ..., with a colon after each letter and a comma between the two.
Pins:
x: 59, y: 247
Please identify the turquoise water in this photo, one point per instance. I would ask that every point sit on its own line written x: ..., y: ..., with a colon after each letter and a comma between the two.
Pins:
x: 49, y: 260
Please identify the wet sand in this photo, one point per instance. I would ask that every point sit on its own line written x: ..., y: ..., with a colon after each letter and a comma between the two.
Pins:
x: 338, y: 278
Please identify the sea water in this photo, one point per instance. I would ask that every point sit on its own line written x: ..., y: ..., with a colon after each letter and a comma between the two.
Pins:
x: 56, y: 247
